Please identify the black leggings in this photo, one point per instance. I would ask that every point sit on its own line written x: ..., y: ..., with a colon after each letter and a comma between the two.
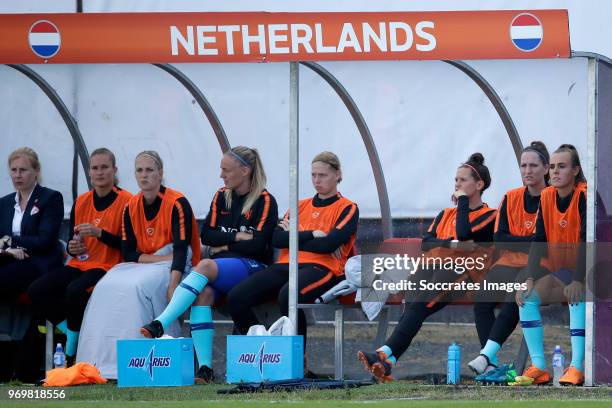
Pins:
x: 500, y: 328
x: 63, y: 294
x: 273, y: 283
x: 418, y: 311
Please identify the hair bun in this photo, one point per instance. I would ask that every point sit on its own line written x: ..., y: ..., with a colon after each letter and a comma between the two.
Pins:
x: 476, y: 158
x: 536, y: 144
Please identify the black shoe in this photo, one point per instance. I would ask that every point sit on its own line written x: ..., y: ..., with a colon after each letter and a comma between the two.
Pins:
x: 152, y: 330
x: 205, y: 375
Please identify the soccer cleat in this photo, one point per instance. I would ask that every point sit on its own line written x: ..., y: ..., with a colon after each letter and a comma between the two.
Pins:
x: 152, y: 330
x: 521, y: 380
x: 481, y: 365
x: 487, y: 371
x: 376, y: 364
x: 500, y: 376
x: 539, y: 376
x: 572, y: 376
x: 205, y: 375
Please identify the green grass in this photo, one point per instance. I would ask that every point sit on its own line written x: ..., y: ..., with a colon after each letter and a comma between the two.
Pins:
x: 316, y: 404
x: 399, y: 393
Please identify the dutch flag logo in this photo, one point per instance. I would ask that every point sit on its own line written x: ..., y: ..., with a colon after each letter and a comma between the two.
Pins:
x: 44, y: 39
x: 526, y: 32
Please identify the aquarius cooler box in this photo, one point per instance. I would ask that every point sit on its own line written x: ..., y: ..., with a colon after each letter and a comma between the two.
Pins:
x: 155, y: 362
x: 264, y: 358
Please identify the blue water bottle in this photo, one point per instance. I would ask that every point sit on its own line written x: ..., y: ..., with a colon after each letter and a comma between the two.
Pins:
x: 453, y: 375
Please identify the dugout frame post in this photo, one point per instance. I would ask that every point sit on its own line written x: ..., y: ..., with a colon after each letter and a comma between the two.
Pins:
x: 294, y: 156
x: 590, y: 174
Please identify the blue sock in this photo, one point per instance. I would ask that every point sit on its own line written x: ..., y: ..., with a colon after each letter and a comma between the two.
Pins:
x: 387, y: 350
x: 72, y: 340
x: 490, y: 350
x: 202, y: 333
x: 184, y: 295
x: 577, y: 325
x: 62, y: 326
x: 531, y: 322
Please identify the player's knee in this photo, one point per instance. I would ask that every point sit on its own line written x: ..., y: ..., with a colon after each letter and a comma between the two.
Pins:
x: 206, y: 267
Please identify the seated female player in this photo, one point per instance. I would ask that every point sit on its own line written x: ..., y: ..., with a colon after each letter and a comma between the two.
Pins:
x: 238, y: 230
x: 159, y: 242
x: 61, y: 295
x: 561, y: 223
x: 515, y: 226
x: 327, y: 225
x: 470, y: 221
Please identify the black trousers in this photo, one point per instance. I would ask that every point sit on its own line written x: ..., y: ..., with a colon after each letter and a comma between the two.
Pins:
x: 272, y: 283
x: 16, y: 276
x: 418, y: 311
x: 63, y: 294
x: 487, y: 325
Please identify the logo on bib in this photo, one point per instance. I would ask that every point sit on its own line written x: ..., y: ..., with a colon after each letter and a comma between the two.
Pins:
x: 563, y: 223
x: 150, y: 231
x: 528, y: 224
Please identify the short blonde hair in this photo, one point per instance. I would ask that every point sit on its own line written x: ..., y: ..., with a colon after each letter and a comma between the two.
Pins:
x: 28, y: 153
x: 331, y: 159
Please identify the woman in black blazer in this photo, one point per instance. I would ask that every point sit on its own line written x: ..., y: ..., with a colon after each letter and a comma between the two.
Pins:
x: 30, y: 221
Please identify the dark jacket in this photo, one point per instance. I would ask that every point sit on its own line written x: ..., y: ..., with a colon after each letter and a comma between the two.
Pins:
x: 40, y: 225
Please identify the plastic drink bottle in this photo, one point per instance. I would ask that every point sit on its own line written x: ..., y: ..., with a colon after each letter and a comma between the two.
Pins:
x: 85, y: 255
x: 558, y: 363
x: 453, y: 375
x: 59, y: 358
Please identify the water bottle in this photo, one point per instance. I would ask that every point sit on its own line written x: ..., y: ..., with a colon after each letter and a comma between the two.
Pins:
x: 85, y: 255
x: 558, y: 363
x: 453, y: 374
x: 59, y: 358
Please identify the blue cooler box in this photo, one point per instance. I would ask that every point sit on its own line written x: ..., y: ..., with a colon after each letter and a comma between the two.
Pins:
x: 264, y: 358
x: 154, y: 362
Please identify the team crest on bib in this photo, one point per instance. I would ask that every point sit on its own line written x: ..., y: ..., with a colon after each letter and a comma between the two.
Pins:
x: 315, y: 214
x: 97, y: 222
x: 150, y: 231
x: 528, y: 224
x: 563, y: 223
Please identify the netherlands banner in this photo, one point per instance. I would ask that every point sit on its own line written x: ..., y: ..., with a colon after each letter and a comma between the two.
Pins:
x: 278, y: 37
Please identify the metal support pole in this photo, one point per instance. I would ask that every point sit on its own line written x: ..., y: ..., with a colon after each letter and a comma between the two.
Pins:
x: 48, y: 346
x: 591, y: 172
x: 339, y: 346
x: 293, y: 188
